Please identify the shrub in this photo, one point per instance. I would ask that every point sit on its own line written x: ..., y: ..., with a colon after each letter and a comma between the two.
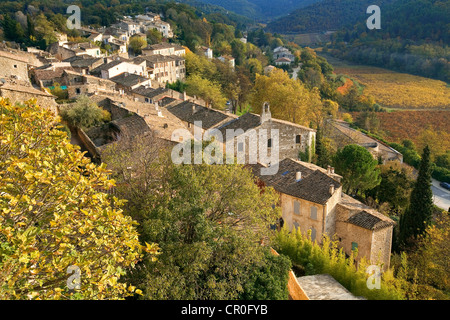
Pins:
x: 327, y: 258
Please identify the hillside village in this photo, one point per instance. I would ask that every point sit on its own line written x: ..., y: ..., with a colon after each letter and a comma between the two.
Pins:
x: 133, y: 89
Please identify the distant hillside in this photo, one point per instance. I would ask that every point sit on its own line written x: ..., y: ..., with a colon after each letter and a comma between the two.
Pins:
x: 261, y: 9
x: 324, y: 15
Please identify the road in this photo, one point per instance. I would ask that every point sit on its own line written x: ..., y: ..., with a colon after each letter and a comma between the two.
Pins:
x: 295, y: 71
x: 441, y: 196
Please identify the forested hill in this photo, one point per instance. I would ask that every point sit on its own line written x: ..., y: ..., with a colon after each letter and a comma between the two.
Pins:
x: 106, y: 12
x: 324, y: 15
x: 414, y: 38
x: 261, y: 9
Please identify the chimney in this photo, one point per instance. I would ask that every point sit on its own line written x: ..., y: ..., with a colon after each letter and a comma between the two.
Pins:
x: 332, y: 170
x: 265, y: 115
x: 331, y: 189
x: 184, y: 95
x: 329, y: 170
x: 193, y: 108
x: 160, y: 114
x: 298, y: 176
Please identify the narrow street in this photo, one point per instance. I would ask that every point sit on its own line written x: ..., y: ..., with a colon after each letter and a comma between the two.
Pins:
x: 441, y: 196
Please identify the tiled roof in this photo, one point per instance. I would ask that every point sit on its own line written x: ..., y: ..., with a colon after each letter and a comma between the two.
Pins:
x: 244, y: 122
x: 252, y: 121
x: 128, y: 79
x: 314, y: 185
x: 50, y: 74
x: 370, y: 220
x: 150, y: 92
x: 132, y: 126
x: 209, y: 117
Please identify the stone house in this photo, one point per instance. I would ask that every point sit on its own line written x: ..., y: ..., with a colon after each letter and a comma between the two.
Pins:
x: 160, y: 96
x: 162, y: 68
x: 79, y: 83
x: 342, y: 134
x: 282, y: 52
x: 206, y: 51
x: 18, y: 93
x: 283, y: 62
x: 13, y: 65
x: 47, y: 77
x: 192, y: 114
x: 127, y: 82
x: 293, y: 138
x: 118, y: 66
x: 84, y: 63
x: 228, y: 59
x: 312, y: 200
x: 165, y: 49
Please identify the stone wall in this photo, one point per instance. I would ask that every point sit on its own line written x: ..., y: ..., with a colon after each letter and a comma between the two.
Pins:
x: 381, y: 246
x: 44, y: 101
x: 89, y: 145
x: 13, y: 68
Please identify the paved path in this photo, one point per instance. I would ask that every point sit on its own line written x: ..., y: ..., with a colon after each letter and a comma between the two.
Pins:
x: 294, y: 73
x: 441, y: 196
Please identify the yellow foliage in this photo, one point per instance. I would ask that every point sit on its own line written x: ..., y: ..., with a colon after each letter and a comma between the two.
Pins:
x: 53, y: 214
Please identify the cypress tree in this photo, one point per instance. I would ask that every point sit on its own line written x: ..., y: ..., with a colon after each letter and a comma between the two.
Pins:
x: 417, y: 216
x: 322, y: 155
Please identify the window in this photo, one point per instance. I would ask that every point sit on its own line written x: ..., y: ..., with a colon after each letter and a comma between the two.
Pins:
x: 240, y: 146
x: 314, y: 212
x: 78, y: 90
x: 147, y: 100
x: 296, y: 207
x: 15, y: 66
x: 269, y: 143
x: 296, y: 225
x: 298, y: 139
x: 354, y: 246
x: 313, y: 234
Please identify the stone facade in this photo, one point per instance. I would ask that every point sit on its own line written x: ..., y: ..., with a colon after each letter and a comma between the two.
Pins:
x: 249, y: 130
x: 311, y: 199
x: 13, y: 67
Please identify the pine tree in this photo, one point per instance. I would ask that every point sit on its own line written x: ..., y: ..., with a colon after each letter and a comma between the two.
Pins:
x: 418, y: 215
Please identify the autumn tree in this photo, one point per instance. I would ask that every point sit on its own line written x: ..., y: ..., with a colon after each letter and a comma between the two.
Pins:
x: 54, y: 214
x: 207, y: 90
x: 288, y: 98
x: 357, y: 167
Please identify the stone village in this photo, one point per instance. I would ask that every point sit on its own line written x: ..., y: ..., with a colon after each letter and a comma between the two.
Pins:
x: 133, y: 91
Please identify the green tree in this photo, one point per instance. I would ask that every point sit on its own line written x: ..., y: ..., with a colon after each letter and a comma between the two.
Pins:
x: 323, y: 156
x: 137, y: 43
x: 268, y: 280
x: 395, y: 187
x: 208, y: 219
x: 418, y: 215
x: 54, y: 214
x: 357, y: 167
x: 84, y: 113
x: 154, y: 36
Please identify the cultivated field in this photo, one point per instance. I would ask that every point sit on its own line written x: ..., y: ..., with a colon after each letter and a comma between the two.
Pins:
x: 396, y: 90
x: 400, y: 125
